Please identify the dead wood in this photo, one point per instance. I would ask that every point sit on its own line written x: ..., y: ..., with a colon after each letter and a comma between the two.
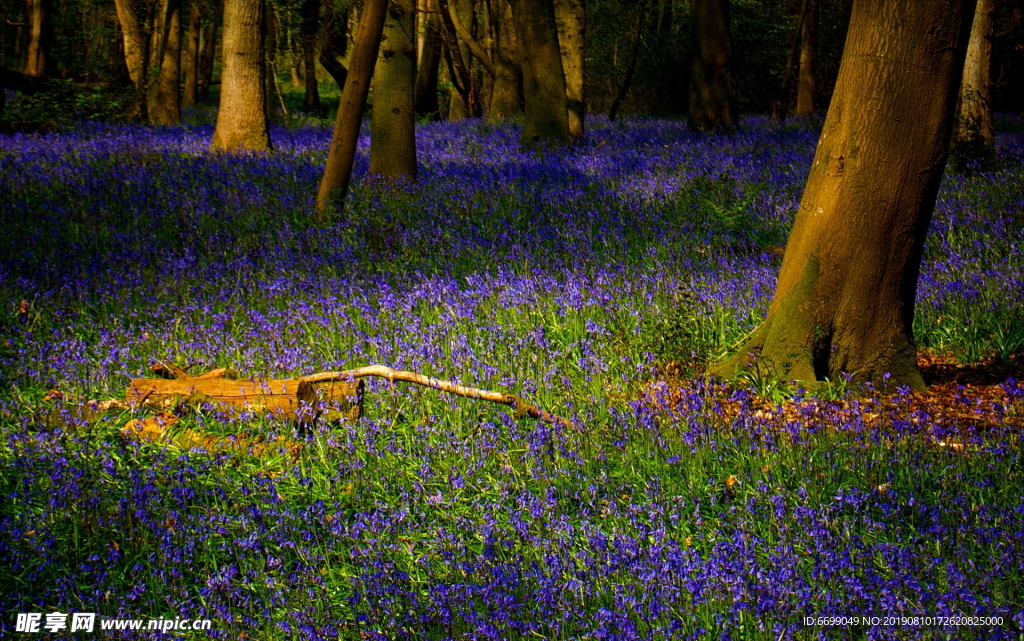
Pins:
x: 293, y: 398
x: 513, y: 401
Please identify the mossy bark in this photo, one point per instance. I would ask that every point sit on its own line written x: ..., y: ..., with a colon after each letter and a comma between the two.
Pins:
x: 844, y: 302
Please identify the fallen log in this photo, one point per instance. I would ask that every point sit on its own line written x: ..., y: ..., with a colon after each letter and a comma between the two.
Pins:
x: 291, y: 399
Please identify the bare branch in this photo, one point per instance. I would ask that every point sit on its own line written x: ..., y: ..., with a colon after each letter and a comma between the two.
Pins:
x: 383, y: 371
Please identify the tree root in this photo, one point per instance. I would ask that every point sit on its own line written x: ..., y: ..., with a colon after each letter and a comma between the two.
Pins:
x: 518, y: 404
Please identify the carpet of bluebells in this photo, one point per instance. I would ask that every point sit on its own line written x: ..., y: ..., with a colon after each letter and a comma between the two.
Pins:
x: 576, y: 278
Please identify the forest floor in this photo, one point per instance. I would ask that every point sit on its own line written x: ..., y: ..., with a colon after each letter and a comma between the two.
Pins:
x: 594, y: 281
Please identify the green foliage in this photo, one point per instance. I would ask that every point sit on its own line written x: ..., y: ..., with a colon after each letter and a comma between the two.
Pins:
x: 66, y: 102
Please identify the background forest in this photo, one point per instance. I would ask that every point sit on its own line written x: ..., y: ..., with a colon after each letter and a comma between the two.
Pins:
x: 83, y: 41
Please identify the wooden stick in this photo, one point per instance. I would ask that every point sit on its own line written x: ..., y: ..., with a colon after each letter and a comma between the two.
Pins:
x: 517, y: 403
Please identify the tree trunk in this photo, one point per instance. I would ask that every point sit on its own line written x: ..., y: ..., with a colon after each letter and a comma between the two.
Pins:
x: 393, y: 123
x: 38, y: 62
x: 712, y: 99
x: 507, y: 94
x: 844, y: 302
x: 807, y: 81
x: 242, y: 116
x: 335, y: 43
x: 310, y: 29
x: 136, y: 49
x: 334, y: 184
x: 206, y: 58
x: 570, y: 16
x: 165, y: 97
x: 190, y: 57
x: 546, y: 117
x: 465, y: 101
x: 631, y: 68
x: 430, y: 58
x: 271, y: 28
x: 974, y: 123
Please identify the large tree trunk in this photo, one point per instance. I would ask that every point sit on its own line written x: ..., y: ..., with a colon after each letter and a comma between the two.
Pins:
x: 844, y: 302
x: 242, y: 117
x: 38, y: 63
x: 430, y: 58
x: 507, y: 93
x: 310, y: 29
x: 546, y: 118
x: 807, y: 76
x: 340, y: 158
x: 712, y: 99
x: 190, y: 55
x: 165, y: 96
x: 974, y: 122
x: 570, y: 16
x: 393, y: 125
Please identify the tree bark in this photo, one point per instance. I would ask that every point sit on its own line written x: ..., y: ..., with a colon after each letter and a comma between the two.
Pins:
x: 392, y: 128
x: 165, y: 96
x: 465, y: 101
x: 974, y: 122
x: 807, y: 81
x: 393, y: 123
x: 430, y: 58
x: 190, y: 55
x: 335, y: 43
x: 712, y: 98
x: 633, y: 55
x: 136, y: 50
x: 570, y: 16
x: 844, y: 301
x: 546, y: 115
x: 242, y: 117
x: 39, y: 63
x: 206, y: 58
x: 334, y: 184
x: 507, y: 93
x: 310, y: 29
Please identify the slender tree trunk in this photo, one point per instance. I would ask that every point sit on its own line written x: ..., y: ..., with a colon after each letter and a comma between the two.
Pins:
x: 190, y: 57
x: 465, y: 101
x: 38, y: 63
x: 271, y: 24
x: 974, y: 122
x: 807, y: 82
x: 507, y: 94
x: 634, y: 53
x: 340, y: 158
x: 430, y: 58
x: 546, y: 118
x: 570, y: 16
x: 393, y: 125
x: 242, y: 117
x: 207, y: 57
x: 136, y: 50
x: 844, y: 301
x: 165, y: 97
x: 310, y: 29
x: 335, y: 43
x: 712, y: 98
